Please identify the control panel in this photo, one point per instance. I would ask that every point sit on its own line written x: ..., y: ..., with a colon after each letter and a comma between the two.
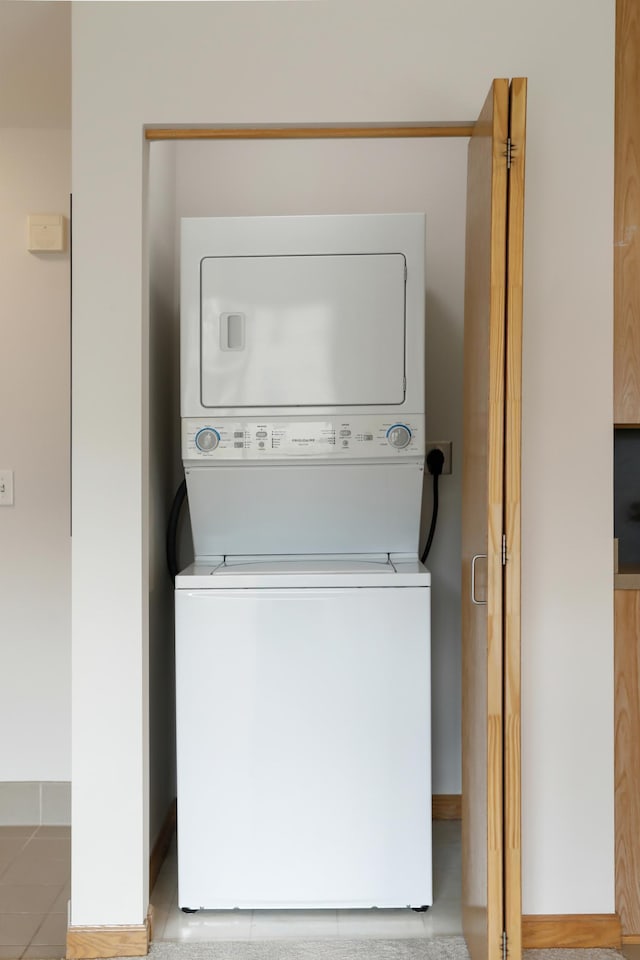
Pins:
x: 358, y: 437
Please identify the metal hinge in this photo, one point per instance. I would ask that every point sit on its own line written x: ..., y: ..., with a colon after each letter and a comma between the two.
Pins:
x: 508, y: 153
x: 504, y: 549
x: 504, y: 945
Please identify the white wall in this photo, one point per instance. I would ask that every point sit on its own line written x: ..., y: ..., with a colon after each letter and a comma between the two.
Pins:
x: 35, y: 552
x: 35, y: 64
x: 245, y: 178
x: 357, y: 60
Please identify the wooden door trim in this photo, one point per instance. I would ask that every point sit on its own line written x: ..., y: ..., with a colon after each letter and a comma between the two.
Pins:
x: 482, y: 527
x: 626, y: 214
x: 626, y: 413
x: 627, y: 757
x: 512, y: 525
x: 495, y: 579
x: 310, y: 131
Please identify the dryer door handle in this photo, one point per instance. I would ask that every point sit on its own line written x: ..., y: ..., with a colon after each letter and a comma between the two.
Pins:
x: 232, y: 331
x: 474, y: 559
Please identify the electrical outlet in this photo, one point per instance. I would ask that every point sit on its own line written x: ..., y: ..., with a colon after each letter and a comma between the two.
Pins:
x: 6, y: 488
x: 445, y: 447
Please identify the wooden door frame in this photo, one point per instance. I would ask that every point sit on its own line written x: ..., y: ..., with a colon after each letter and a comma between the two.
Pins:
x: 512, y: 660
x: 492, y: 905
x: 483, y: 660
x: 626, y: 246
x: 511, y: 791
x: 626, y: 382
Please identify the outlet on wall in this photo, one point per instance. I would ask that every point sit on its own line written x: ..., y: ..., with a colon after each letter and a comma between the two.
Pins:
x: 6, y: 488
x: 445, y: 447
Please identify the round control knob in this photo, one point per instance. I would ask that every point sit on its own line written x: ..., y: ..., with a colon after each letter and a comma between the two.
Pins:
x: 399, y: 436
x: 207, y: 439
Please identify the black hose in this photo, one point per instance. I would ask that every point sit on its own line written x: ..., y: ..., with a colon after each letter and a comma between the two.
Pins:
x: 435, y: 463
x: 172, y: 529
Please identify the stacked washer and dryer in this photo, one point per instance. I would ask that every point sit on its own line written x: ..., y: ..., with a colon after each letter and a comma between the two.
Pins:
x: 303, y: 625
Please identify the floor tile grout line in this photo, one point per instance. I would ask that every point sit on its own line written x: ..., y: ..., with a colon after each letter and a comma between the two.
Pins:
x: 37, y: 931
x: 12, y: 861
x: 21, y: 860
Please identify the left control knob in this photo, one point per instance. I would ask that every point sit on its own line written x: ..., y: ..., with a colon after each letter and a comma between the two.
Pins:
x: 207, y: 439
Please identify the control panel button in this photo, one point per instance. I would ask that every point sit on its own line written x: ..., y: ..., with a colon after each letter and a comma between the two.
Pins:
x: 207, y: 439
x: 399, y: 436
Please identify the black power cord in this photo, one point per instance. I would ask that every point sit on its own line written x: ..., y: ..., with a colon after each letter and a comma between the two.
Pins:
x: 172, y: 530
x: 435, y: 463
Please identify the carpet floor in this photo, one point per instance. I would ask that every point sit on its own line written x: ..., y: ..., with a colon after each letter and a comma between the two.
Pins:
x: 437, y: 948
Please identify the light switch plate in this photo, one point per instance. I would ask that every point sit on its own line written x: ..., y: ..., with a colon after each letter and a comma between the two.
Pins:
x: 6, y: 488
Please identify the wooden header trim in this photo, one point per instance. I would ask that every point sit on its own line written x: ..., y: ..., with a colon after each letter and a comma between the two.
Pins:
x: 332, y: 131
x: 446, y: 806
x: 571, y: 930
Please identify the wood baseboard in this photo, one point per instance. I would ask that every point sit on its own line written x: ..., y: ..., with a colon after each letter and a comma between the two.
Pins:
x: 99, y: 943
x: 630, y: 938
x: 446, y: 806
x: 96, y: 943
x: 163, y: 841
x: 541, y: 931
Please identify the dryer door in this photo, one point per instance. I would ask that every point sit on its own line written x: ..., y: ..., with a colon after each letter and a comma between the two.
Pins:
x: 303, y: 330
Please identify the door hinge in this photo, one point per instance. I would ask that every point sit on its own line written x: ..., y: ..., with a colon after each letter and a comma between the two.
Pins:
x: 504, y: 945
x: 508, y: 154
x: 504, y: 549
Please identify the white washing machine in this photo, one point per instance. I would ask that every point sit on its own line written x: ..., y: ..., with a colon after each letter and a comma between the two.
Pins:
x: 302, y: 628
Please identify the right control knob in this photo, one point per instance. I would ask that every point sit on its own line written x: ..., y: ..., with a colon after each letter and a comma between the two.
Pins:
x: 399, y: 436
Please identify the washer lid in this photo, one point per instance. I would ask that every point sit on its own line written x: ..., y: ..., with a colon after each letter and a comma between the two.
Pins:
x: 300, y: 565
x: 308, y: 571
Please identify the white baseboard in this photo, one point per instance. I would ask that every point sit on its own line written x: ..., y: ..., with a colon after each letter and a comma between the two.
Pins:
x: 35, y: 803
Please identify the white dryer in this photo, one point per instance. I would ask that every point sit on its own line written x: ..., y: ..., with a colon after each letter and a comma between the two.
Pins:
x: 302, y: 628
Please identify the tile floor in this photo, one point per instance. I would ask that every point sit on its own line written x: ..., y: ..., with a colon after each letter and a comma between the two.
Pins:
x: 442, y: 919
x: 35, y: 876
x: 35, y: 871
